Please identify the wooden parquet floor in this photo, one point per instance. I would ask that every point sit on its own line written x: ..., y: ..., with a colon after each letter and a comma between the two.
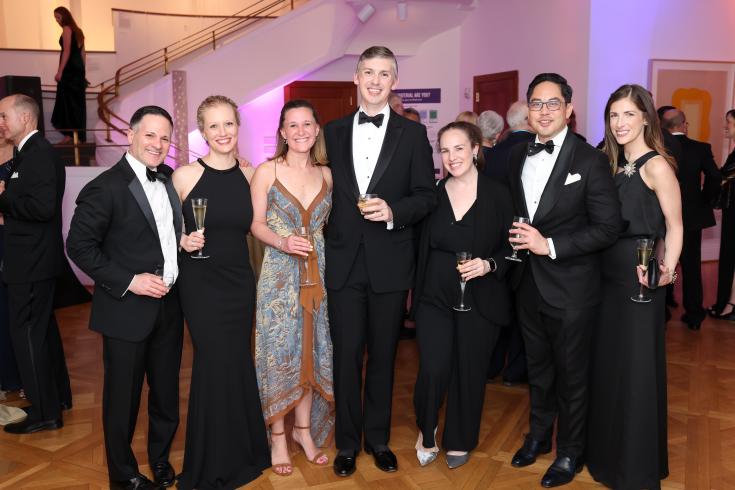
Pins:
x: 701, y: 377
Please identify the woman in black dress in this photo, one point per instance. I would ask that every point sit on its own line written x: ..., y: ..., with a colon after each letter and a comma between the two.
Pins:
x: 70, y: 110
x: 724, y: 309
x: 226, y: 443
x: 473, y: 215
x: 627, y: 432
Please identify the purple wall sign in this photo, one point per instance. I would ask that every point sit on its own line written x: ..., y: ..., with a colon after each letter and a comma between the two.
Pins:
x: 420, y: 95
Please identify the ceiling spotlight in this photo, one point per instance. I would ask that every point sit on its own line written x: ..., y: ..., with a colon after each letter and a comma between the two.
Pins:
x: 402, y: 10
x: 365, y: 12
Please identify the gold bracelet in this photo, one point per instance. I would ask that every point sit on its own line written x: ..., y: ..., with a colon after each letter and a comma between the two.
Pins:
x: 674, y: 275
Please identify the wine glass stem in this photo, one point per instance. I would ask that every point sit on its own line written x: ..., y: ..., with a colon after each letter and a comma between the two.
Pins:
x: 640, y: 293
x: 462, y: 285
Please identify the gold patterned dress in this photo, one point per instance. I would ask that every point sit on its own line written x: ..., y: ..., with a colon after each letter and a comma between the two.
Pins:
x: 293, y: 348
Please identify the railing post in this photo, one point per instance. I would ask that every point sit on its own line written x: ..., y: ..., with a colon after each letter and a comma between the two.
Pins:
x: 75, y: 135
x: 214, y: 41
x: 291, y: 4
x: 165, y: 61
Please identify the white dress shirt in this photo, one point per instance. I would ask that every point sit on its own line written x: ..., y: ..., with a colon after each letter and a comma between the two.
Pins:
x: 25, y: 138
x: 163, y: 214
x: 535, y: 175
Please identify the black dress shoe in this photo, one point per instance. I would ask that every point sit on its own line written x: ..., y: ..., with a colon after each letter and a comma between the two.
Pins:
x: 344, y: 463
x: 384, y: 459
x: 138, y: 482
x: 66, y: 405
x: 561, y: 471
x: 29, y: 426
x: 527, y: 454
x: 163, y: 474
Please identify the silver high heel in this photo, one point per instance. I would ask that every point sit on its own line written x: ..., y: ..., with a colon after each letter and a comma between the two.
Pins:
x: 455, y: 461
x: 426, y: 455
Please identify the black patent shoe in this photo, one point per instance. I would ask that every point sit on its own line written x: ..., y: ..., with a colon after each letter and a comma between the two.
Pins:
x: 344, y: 463
x: 561, y: 471
x: 29, y: 426
x: 138, y: 482
x: 163, y: 474
x: 527, y: 454
x: 384, y: 458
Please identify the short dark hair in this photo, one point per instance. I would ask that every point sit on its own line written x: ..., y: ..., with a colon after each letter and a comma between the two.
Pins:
x: 566, y: 89
x: 730, y: 113
x: 150, y: 110
x: 663, y: 110
x: 473, y: 134
x: 411, y: 110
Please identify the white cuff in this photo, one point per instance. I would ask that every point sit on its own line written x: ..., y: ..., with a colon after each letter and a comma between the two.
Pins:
x: 126, y: 289
x: 389, y: 225
x: 552, y: 250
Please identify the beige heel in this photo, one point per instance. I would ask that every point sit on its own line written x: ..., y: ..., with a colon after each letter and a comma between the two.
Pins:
x: 286, y: 468
x: 315, y: 459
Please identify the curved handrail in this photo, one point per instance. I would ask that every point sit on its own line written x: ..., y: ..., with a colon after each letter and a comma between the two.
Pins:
x: 109, y: 89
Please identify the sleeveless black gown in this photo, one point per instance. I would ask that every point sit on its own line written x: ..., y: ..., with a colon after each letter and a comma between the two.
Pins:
x: 70, y: 109
x: 627, y: 429
x: 226, y: 443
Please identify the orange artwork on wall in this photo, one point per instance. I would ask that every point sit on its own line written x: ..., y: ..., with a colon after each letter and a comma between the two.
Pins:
x: 697, y: 105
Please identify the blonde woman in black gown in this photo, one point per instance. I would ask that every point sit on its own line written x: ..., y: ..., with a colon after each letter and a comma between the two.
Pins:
x: 627, y: 433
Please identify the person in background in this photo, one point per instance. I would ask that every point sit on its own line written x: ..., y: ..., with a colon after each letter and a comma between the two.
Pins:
x: 70, y: 109
x: 395, y: 102
x: 412, y: 114
x: 491, y: 124
x: 572, y: 125
x: 467, y: 116
x: 454, y: 346
x: 496, y: 163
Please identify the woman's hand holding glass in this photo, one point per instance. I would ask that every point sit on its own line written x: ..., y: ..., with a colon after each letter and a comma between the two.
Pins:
x: 472, y: 268
x: 296, y: 245
x: 665, y: 278
x: 193, y: 241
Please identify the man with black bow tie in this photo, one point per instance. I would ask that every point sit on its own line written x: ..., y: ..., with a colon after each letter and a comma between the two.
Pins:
x: 124, y: 235
x: 370, y: 253
x: 565, y: 187
x: 34, y: 255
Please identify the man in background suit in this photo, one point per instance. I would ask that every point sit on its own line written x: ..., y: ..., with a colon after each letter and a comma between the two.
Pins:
x: 697, y: 211
x: 127, y: 227
x: 34, y: 255
x: 370, y: 257
x: 566, y: 189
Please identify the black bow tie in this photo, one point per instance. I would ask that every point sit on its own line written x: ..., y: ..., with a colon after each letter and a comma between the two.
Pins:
x: 363, y: 118
x: 534, y: 148
x: 153, y: 176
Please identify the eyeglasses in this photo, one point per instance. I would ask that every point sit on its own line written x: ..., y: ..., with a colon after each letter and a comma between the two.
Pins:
x: 552, y: 105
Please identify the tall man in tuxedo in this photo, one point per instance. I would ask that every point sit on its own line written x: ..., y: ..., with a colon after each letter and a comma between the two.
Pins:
x: 370, y: 258
x: 696, y: 159
x: 126, y: 226
x: 566, y: 189
x: 34, y: 256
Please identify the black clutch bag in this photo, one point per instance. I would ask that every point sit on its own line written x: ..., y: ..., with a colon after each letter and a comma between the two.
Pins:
x: 654, y: 272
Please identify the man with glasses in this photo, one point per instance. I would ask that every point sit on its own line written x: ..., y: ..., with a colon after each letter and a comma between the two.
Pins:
x: 564, y: 186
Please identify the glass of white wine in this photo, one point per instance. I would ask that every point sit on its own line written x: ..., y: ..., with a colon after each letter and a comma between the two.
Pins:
x: 644, y: 248
x: 199, y: 206
x: 514, y: 257
x: 462, y: 257
x: 166, y: 277
x: 363, y: 200
x: 304, y: 271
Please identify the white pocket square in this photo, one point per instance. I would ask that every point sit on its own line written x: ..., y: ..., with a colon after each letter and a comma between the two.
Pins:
x: 14, y: 176
x: 572, y: 178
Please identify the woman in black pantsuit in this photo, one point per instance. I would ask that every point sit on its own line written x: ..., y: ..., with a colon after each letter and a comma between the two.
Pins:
x: 473, y: 215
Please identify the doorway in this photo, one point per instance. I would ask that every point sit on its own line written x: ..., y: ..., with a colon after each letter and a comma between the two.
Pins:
x: 332, y: 100
x: 496, y: 92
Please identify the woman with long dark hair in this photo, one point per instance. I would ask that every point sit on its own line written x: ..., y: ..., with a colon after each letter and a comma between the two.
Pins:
x: 70, y: 110
x: 626, y: 446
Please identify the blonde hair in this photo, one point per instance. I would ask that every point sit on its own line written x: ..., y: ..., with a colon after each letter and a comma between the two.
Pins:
x: 467, y: 116
x: 212, y: 101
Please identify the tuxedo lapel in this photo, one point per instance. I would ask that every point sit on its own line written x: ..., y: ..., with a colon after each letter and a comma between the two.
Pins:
x: 173, y: 198
x: 390, y: 143
x: 136, y: 188
x: 344, y: 134
x: 556, y: 179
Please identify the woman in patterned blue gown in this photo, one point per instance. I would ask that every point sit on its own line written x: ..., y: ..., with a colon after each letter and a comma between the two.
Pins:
x: 293, y: 349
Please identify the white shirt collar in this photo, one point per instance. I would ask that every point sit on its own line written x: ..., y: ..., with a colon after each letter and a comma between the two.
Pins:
x: 677, y: 133
x: 558, y: 139
x: 137, y: 166
x: 23, y: 141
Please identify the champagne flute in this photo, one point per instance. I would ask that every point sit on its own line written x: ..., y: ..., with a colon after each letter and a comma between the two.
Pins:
x: 304, y: 270
x: 514, y: 257
x: 363, y: 199
x: 462, y: 257
x: 199, y: 206
x: 167, y: 278
x: 644, y: 247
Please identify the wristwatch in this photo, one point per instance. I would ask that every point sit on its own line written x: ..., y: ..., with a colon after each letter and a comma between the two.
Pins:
x: 492, y: 263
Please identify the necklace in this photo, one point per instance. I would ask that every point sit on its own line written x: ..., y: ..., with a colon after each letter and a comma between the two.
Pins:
x: 629, y: 169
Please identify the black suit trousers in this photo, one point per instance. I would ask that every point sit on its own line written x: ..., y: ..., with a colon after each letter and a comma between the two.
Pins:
x: 360, y: 318
x: 691, y: 275
x: 557, y: 349
x: 726, y: 266
x: 38, y: 348
x: 158, y: 357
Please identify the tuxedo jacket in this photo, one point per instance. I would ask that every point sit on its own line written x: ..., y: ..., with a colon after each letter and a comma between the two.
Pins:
x: 493, y: 219
x: 580, y: 214
x: 696, y: 160
x: 112, y: 237
x: 404, y: 178
x: 496, y: 158
x: 31, y: 204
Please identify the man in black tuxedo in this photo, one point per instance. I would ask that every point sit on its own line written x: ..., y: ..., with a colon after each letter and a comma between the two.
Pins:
x: 34, y: 255
x: 370, y: 257
x: 124, y: 234
x: 566, y: 189
x: 697, y: 214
